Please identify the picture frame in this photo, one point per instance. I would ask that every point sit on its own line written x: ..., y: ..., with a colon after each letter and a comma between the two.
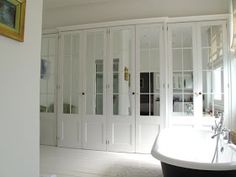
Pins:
x: 12, y: 19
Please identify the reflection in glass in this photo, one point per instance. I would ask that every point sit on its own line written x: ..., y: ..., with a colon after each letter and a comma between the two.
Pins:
x: 144, y: 104
x: 144, y: 83
x: 99, y: 83
x: 208, y: 108
x: 115, y: 82
x: 115, y: 104
x: 155, y: 105
x: 188, y: 81
x: 182, y: 37
x: 212, y: 36
x: 188, y: 104
x: 178, y: 103
x: 99, y: 104
x: 122, y: 54
x: 47, y: 75
x: 95, y: 72
x: 122, y: 108
x: 212, y: 74
x: 207, y: 82
x: 206, y: 64
x: 150, y: 70
x: 75, y: 104
x: 178, y: 83
x: 177, y: 59
x: 187, y: 59
x: 43, y: 103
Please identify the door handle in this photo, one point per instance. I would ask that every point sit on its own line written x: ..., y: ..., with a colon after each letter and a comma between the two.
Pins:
x: 198, y: 93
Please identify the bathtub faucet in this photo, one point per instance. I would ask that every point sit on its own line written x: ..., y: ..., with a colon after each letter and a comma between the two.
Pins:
x: 226, y: 134
x: 218, y: 125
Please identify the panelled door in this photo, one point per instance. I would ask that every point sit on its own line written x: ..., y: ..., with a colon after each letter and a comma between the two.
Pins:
x: 121, y: 90
x: 212, y: 70
x: 48, y: 82
x: 94, y: 90
x: 198, y: 72
x: 183, y: 77
x: 70, y: 91
x: 150, y: 64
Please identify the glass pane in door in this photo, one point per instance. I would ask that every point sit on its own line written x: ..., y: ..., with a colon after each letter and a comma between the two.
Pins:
x: 182, y: 61
x: 47, y: 75
x: 122, y: 70
x: 95, y: 72
x: 71, y: 62
x: 212, y: 70
x: 149, y: 47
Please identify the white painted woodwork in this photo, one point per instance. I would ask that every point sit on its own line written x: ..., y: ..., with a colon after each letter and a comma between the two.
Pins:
x: 119, y: 125
x: 94, y: 101
x: 69, y: 121
x: 48, y: 91
x: 149, y: 59
x: 121, y: 100
x: 201, y: 87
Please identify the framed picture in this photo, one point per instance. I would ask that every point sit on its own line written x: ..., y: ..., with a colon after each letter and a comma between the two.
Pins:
x: 12, y: 19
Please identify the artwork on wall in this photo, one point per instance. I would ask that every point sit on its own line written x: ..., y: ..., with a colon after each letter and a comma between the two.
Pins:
x: 12, y: 19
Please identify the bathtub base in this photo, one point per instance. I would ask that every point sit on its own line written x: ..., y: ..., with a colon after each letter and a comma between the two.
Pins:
x: 174, y: 171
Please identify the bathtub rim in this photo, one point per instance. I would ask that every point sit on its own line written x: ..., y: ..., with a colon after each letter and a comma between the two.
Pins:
x: 191, y: 164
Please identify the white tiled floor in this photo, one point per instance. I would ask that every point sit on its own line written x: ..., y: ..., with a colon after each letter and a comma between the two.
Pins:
x: 86, y: 163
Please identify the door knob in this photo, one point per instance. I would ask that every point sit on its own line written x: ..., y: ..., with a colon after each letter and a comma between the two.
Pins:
x: 198, y: 93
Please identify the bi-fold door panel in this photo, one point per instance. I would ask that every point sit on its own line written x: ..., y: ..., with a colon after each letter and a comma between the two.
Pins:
x: 48, y: 81
x: 150, y: 64
x: 70, y: 87
x: 183, y: 76
x: 121, y: 90
x: 98, y: 91
x: 198, y: 73
x: 94, y: 97
x: 69, y: 132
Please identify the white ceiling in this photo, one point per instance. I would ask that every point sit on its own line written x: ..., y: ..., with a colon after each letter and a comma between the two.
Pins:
x: 62, y: 3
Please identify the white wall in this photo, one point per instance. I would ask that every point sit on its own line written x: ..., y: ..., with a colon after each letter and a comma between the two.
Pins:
x: 130, y: 9
x: 19, y: 98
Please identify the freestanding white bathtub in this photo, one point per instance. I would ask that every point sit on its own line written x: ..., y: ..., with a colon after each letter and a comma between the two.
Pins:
x: 188, y: 152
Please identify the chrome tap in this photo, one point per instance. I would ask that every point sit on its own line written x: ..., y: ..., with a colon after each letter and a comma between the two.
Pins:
x: 219, y: 130
x: 218, y: 125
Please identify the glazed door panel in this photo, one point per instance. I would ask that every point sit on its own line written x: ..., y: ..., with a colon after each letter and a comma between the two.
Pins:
x: 150, y: 66
x: 48, y: 92
x: 213, y: 69
x: 183, y: 76
x: 121, y: 90
x: 198, y: 73
x: 70, y: 95
x: 94, y: 94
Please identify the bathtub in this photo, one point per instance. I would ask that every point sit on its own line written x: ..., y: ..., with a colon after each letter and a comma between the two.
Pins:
x: 188, y: 152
